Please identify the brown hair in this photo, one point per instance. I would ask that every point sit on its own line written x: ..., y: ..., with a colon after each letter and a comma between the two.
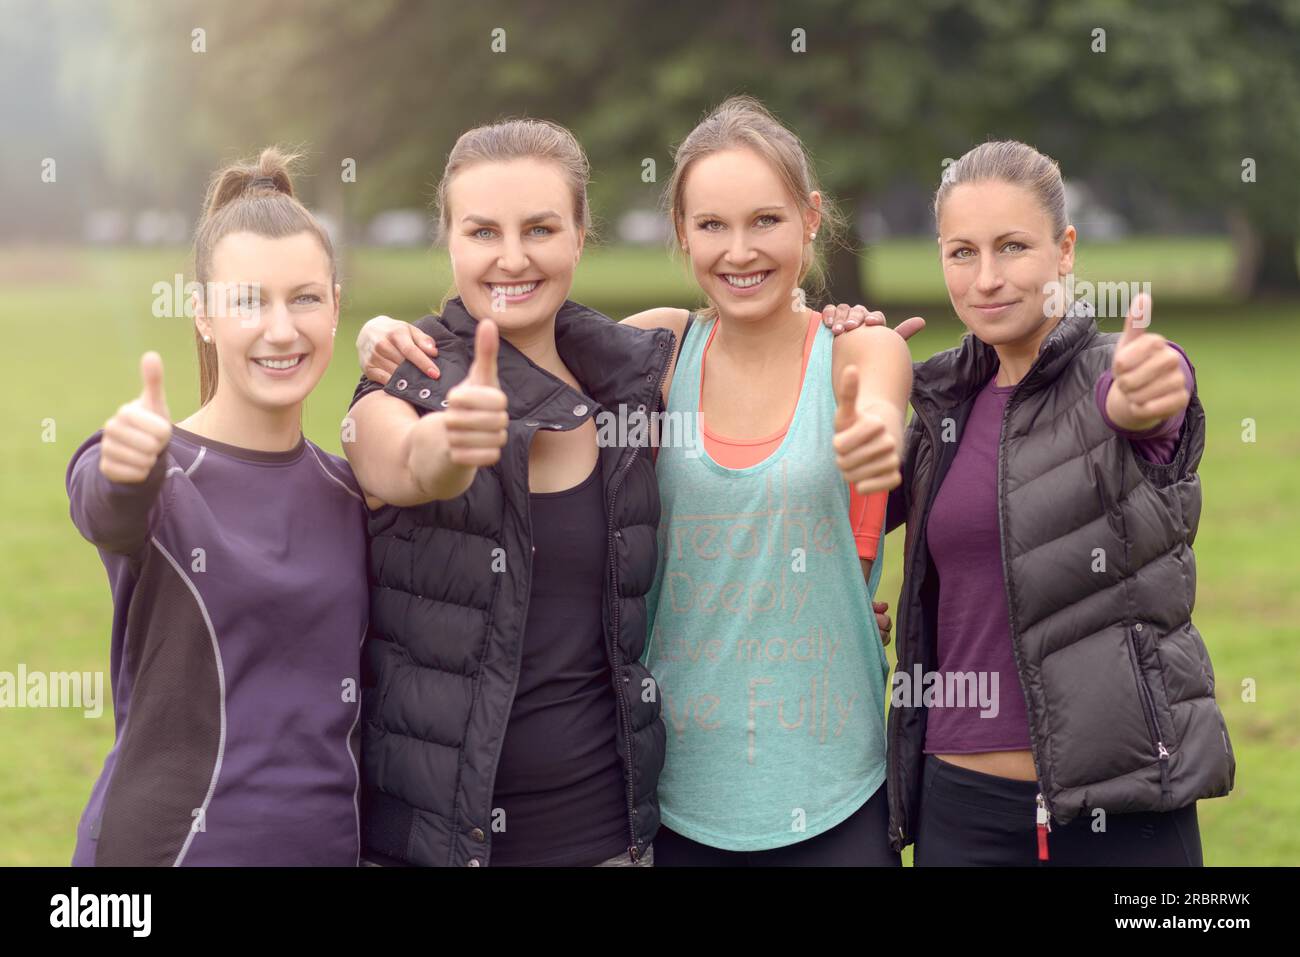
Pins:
x: 514, y: 139
x: 1011, y: 162
x: 254, y: 196
x: 742, y: 122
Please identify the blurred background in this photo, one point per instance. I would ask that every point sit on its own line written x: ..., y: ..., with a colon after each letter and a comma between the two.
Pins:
x: 1177, y: 127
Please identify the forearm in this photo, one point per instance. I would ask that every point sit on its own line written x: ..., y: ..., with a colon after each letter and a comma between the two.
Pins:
x: 400, y: 458
x: 118, y: 517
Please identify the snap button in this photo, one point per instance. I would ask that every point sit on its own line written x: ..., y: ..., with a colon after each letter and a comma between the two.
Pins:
x: 580, y: 409
x: 474, y: 862
x: 425, y: 393
x: 1137, y: 627
x: 477, y: 834
x: 401, y: 383
x: 641, y: 408
x: 443, y: 403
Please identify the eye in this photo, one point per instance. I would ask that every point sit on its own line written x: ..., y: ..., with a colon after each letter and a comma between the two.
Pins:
x: 483, y: 233
x: 1019, y: 247
x: 708, y: 224
x: 768, y: 219
x: 541, y: 230
x: 309, y: 296
x: 960, y: 252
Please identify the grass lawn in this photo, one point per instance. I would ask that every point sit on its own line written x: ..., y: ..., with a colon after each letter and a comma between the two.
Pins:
x: 76, y: 322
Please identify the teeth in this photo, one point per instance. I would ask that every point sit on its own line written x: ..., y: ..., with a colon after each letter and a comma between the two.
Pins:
x: 744, y: 282
x: 518, y: 290
x: 279, y: 363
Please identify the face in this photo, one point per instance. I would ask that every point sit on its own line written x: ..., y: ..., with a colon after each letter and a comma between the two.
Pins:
x: 744, y: 232
x: 272, y: 311
x: 999, y: 259
x: 513, y: 241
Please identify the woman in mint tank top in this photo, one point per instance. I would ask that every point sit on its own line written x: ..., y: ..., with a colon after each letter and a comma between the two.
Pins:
x: 762, y: 640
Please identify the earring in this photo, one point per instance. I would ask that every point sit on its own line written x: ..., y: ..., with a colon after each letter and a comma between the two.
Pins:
x: 334, y: 331
x: 812, y: 236
x: 207, y: 338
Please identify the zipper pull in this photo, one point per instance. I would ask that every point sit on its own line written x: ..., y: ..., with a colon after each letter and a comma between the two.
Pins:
x: 631, y: 852
x: 1044, y: 825
x: 1163, y: 754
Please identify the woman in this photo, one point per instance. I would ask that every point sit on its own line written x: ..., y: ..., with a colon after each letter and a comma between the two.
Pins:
x: 234, y: 549
x: 1051, y: 499
x: 507, y: 717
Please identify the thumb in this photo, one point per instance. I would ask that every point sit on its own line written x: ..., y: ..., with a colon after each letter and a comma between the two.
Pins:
x: 151, y: 380
x: 846, y: 399
x: 483, y: 370
x: 1138, y: 319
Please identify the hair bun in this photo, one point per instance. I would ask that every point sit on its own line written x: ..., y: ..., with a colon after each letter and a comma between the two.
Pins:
x: 264, y: 182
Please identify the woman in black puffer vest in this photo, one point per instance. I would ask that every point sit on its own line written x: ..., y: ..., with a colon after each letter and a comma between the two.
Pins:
x: 1053, y: 701
x: 506, y: 718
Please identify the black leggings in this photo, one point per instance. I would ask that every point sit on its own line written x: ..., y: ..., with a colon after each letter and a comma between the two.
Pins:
x: 978, y: 820
x: 860, y: 840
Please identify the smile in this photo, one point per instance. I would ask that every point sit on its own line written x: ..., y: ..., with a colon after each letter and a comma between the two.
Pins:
x: 280, y: 366
x: 746, y: 280
x: 514, y: 292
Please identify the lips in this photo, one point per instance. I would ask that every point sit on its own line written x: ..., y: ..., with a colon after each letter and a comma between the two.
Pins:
x: 280, y: 367
x: 514, y: 291
x: 743, y: 284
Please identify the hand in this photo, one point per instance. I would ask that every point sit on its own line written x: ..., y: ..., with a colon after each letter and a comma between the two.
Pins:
x: 843, y: 318
x: 140, y: 430
x: 865, y: 451
x: 476, y: 416
x: 882, y: 620
x: 1149, y: 385
x: 384, y: 343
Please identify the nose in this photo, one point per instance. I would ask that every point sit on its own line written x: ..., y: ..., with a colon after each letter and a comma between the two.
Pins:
x: 741, y: 251
x: 989, y: 279
x: 513, y: 258
x: 278, y: 327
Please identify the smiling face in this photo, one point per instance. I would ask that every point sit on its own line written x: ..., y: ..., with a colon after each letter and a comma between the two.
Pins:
x: 271, y: 313
x: 745, y: 233
x: 999, y: 257
x: 513, y: 240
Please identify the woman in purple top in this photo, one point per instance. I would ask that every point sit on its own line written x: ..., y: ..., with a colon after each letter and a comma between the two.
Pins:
x: 235, y: 550
x: 1005, y: 243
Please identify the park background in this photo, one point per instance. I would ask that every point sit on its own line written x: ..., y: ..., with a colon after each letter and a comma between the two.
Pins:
x: 1177, y: 127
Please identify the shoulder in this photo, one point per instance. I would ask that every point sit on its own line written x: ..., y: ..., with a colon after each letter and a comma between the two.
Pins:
x: 876, y: 343
x: 662, y: 317
x: 334, y: 470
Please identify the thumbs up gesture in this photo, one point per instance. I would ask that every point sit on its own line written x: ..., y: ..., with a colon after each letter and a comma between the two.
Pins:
x: 476, y: 416
x: 140, y: 430
x: 1148, y: 384
x: 865, y: 450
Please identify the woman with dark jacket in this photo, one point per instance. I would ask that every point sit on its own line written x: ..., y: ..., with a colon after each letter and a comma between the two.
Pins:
x: 506, y: 718
x: 1051, y: 500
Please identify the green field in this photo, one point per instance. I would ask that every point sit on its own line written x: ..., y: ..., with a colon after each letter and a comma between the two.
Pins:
x: 76, y: 322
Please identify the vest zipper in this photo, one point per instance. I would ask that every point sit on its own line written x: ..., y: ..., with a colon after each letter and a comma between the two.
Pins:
x: 1150, y: 715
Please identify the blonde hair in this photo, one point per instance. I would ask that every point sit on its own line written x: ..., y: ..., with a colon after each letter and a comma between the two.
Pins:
x: 742, y: 122
x: 1009, y: 161
x: 514, y: 139
x: 254, y: 196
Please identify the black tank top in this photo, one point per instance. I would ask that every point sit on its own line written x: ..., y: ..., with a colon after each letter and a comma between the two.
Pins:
x: 559, y: 788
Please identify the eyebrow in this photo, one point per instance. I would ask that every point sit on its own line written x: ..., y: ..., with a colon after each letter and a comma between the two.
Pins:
x: 1014, y: 232
x: 761, y: 209
x: 528, y: 220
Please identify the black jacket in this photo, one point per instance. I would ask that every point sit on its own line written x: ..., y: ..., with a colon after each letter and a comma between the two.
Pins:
x: 450, y: 582
x: 1117, y: 681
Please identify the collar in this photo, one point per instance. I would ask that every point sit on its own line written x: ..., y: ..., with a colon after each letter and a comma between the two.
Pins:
x: 615, y: 363
x: 955, y: 375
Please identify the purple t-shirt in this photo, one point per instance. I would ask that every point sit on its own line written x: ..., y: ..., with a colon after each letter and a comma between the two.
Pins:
x: 974, y: 621
x: 240, y: 601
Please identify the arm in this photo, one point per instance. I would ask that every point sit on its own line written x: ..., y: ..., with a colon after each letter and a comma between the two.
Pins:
x: 663, y: 317
x: 883, y: 369
x: 385, y: 343
x: 114, y: 479
x: 402, y: 458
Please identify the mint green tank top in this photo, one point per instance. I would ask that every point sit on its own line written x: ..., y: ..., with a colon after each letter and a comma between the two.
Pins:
x: 762, y: 638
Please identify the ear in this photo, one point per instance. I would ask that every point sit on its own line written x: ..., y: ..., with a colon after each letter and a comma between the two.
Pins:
x: 1066, y: 264
x: 679, y: 227
x: 201, y: 322
x: 812, y: 217
x: 338, y: 297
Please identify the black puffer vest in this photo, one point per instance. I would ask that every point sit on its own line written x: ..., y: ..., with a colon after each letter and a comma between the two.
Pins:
x: 1117, y: 681
x: 450, y: 582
